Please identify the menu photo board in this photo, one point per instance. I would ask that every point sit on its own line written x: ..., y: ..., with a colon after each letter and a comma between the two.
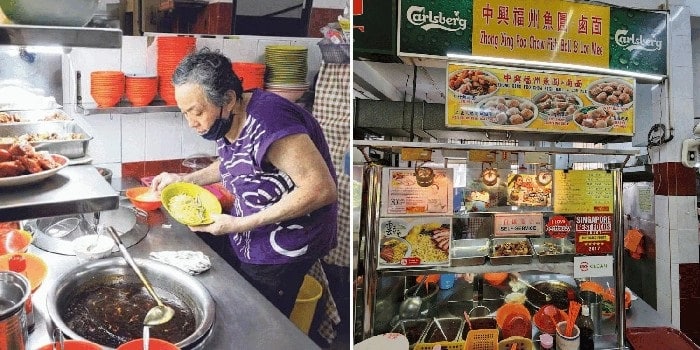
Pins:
x: 530, y: 190
x: 583, y: 192
x: 407, y: 192
x: 500, y: 98
x: 414, y: 241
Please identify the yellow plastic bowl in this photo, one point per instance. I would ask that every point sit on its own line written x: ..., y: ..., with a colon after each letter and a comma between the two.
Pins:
x: 208, y: 200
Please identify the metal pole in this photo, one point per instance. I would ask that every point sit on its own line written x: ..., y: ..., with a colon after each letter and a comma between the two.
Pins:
x: 369, y: 220
x: 618, y: 257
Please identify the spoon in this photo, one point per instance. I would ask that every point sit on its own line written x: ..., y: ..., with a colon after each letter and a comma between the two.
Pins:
x: 158, y: 314
x: 411, y: 306
x: 58, y: 341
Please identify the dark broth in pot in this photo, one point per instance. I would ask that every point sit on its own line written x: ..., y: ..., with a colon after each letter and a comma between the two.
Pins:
x: 112, y: 314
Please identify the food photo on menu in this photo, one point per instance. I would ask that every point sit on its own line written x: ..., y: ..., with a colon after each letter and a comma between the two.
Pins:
x: 414, y: 241
x: 529, y: 189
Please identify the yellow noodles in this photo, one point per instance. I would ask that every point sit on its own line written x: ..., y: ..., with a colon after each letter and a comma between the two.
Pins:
x: 188, y: 209
x: 424, y: 248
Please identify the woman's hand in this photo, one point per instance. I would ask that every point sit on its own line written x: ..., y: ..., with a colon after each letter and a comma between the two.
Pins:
x: 223, y: 224
x: 164, y: 179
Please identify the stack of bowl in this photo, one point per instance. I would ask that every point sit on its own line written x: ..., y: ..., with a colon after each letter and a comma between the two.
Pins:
x: 287, y: 69
x: 171, y: 50
x: 107, y: 87
x: 252, y: 74
x: 141, y: 89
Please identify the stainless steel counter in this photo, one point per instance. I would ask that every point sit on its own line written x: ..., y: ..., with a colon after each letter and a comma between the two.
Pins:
x: 244, y: 318
x: 66, y: 192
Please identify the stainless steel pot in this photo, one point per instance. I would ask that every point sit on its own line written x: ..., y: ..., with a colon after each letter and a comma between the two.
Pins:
x: 164, y: 277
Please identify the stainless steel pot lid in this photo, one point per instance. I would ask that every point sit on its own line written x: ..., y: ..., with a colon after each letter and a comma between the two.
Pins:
x: 131, y: 229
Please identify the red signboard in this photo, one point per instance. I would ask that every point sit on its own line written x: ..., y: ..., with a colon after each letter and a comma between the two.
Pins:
x: 558, y: 227
x: 593, y: 234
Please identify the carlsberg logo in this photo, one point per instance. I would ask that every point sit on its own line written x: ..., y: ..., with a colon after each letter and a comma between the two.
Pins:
x: 633, y: 42
x: 416, y: 15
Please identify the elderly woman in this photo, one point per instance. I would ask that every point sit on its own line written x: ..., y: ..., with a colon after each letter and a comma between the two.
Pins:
x: 274, y: 159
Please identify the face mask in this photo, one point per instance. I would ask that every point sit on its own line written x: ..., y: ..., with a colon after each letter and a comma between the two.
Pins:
x: 220, y: 127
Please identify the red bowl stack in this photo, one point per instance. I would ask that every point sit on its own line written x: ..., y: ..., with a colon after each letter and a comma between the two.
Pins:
x: 252, y: 74
x: 107, y: 87
x: 141, y: 89
x: 171, y: 50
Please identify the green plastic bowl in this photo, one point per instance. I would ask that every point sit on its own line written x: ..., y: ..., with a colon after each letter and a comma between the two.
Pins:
x: 207, y: 199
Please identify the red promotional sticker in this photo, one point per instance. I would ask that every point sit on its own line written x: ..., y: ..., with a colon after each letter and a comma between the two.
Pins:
x: 558, y: 227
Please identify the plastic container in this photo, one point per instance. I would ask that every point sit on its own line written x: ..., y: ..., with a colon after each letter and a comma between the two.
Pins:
x: 305, y: 306
x: 143, y: 202
x: 335, y: 53
x: 482, y: 339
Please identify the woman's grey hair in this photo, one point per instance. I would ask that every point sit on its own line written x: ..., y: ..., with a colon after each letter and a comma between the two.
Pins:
x: 212, y: 71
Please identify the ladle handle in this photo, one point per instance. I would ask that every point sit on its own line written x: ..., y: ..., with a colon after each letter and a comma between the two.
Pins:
x: 132, y: 263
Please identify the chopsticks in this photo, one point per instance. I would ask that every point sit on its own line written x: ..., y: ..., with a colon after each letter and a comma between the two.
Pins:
x: 574, y: 308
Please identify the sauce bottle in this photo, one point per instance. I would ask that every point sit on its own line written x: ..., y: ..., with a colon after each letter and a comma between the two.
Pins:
x: 585, y: 325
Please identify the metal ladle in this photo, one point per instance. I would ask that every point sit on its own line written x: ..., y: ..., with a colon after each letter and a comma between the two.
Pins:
x: 158, y: 314
x: 410, y: 307
x: 547, y: 297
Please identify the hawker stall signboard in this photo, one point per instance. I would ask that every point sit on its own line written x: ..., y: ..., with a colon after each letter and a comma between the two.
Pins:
x: 488, y: 97
x: 593, y: 234
x: 414, y: 241
x: 554, y: 31
x: 517, y: 224
x: 583, y: 192
x: 416, y: 191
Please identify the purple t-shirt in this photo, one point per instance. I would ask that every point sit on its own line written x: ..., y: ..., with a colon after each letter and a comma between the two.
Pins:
x: 257, y: 184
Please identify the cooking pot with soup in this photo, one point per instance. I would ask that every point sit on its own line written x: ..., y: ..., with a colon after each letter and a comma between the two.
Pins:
x: 104, y: 302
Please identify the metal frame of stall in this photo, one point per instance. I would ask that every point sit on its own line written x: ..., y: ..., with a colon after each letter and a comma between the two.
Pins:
x: 370, y: 212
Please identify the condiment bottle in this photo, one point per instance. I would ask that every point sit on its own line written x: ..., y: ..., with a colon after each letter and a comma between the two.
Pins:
x: 585, y: 325
x: 18, y: 263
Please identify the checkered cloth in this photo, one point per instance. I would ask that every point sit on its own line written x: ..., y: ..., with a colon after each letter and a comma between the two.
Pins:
x: 332, y: 110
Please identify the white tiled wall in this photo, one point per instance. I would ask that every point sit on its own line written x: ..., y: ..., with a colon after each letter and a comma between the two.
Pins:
x: 119, y: 138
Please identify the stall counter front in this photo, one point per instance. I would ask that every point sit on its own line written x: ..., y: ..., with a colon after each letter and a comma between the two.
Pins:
x: 244, y: 318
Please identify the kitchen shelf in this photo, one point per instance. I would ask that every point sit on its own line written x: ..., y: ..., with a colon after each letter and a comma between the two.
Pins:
x: 74, y: 189
x: 395, y: 147
x: 125, y: 107
x: 566, y: 268
x: 66, y: 37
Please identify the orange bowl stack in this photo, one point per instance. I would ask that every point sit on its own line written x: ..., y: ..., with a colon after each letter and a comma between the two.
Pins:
x: 171, y: 50
x: 140, y: 89
x: 107, y: 87
x: 252, y: 74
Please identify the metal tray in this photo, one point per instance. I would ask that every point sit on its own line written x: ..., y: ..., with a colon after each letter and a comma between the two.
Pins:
x: 469, y: 252
x: 69, y: 148
x: 510, y: 259
x: 564, y: 249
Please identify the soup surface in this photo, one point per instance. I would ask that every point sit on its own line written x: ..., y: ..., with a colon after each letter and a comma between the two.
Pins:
x: 112, y: 314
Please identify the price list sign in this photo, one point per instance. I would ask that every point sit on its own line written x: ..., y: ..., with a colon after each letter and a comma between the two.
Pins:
x: 583, y: 191
x: 403, y: 195
x: 593, y: 234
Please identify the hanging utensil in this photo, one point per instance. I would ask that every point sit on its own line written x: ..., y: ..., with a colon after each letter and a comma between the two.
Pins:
x: 92, y: 245
x: 478, y: 289
x: 410, y: 307
x: 158, y: 314
x: 547, y: 297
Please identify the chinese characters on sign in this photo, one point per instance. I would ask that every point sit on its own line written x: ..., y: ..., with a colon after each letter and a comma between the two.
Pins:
x: 583, y: 191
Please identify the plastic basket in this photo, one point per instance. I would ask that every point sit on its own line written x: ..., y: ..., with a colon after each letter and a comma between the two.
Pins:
x: 444, y: 345
x: 335, y: 53
x: 305, y: 306
x: 523, y: 343
x: 482, y: 339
